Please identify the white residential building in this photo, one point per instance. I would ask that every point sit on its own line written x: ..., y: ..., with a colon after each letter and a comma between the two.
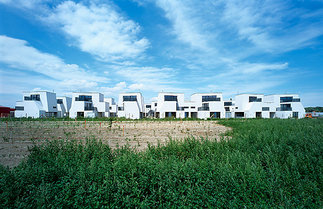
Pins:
x: 248, y: 105
x: 210, y: 105
x: 283, y: 106
x: 113, y: 107
x: 63, y: 106
x: 131, y: 105
x: 229, y: 108
x: 37, y: 104
x: 89, y: 104
x: 174, y: 105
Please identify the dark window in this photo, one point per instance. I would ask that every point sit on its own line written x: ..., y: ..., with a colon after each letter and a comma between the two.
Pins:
x: 84, y: 98
x: 35, y: 97
x: 110, y: 108
x: 148, y: 106
x: 284, y: 107
x: 296, y: 100
x: 192, y: 107
x: 213, y: 98
x: 54, y: 107
x: 155, y: 104
x: 227, y: 108
x: 286, y: 99
x: 88, y: 106
x: 265, y: 108
x: 227, y: 103
x: 59, y: 101
x: 20, y: 108
x: 295, y: 114
x: 254, y: 99
x: 129, y: 98
x: 120, y: 108
x: 170, y: 98
x: 205, y: 107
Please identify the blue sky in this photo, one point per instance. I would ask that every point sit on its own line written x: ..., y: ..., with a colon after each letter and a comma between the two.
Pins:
x: 190, y: 46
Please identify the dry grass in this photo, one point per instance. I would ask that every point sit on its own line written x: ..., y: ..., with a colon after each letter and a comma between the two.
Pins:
x: 15, y: 140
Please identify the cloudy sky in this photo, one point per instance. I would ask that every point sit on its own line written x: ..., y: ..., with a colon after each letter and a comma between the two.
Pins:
x: 228, y: 46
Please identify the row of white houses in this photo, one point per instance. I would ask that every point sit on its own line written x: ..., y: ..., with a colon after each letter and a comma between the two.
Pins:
x: 131, y: 105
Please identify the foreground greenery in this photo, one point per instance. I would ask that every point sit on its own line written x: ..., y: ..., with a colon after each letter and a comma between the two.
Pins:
x: 267, y: 163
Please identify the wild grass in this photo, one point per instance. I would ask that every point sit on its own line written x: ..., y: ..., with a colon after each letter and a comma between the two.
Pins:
x: 266, y: 164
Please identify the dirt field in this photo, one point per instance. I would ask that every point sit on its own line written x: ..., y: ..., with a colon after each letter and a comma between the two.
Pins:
x: 17, y: 136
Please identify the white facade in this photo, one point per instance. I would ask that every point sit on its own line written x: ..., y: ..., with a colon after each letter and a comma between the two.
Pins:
x: 285, y: 105
x: 229, y: 107
x: 209, y: 105
x: 174, y: 105
x: 113, y: 107
x: 89, y: 104
x: 248, y: 105
x: 131, y: 105
x: 63, y: 106
x: 37, y: 104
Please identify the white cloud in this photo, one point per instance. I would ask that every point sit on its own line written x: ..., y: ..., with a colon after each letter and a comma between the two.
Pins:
x: 18, y: 54
x: 186, y: 27
x: 150, y: 78
x: 99, y: 30
x: 24, y: 4
x: 266, y: 24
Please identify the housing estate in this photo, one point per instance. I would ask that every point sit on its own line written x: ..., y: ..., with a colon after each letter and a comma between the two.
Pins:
x: 168, y: 104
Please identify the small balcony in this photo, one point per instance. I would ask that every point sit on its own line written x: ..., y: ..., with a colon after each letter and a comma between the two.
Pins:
x: 88, y: 108
x: 203, y: 109
x: 283, y: 109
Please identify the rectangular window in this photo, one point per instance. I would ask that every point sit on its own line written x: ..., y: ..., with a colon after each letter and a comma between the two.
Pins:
x: 170, y: 98
x: 212, y: 98
x: 205, y: 107
x: 285, y: 107
x: 254, y: 99
x: 227, y: 108
x: 84, y: 98
x: 20, y: 108
x: 148, y: 106
x: 286, y: 99
x: 34, y: 97
x: 59, y: 101
x: 129, y: 98
x: 227, y: 103
x: 265, y: 108
x: 295, y: 114
x: 155, y: 104
x: 120, y: 108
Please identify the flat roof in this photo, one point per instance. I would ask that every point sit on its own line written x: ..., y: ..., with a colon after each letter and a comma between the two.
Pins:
x: 209, y: 93
x: 248, y: 94
x: 169, y: 93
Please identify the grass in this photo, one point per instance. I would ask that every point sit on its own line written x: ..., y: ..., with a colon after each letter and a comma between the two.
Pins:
x: 268, y: 163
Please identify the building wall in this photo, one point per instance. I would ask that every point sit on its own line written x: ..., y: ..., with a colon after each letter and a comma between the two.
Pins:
x: 47, y: 104
x: 131, y: 109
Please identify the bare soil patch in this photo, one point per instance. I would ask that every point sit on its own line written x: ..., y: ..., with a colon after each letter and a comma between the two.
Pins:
x: 19, y: 135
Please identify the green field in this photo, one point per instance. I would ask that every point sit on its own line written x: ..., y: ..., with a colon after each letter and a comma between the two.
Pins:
x: 268, y: 163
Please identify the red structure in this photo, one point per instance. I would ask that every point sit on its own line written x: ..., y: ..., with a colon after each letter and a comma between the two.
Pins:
x: 5, y: 111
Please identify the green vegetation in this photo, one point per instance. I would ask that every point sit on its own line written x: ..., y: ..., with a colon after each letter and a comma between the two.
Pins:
x: 268, y: 163
x: 312, y: 109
